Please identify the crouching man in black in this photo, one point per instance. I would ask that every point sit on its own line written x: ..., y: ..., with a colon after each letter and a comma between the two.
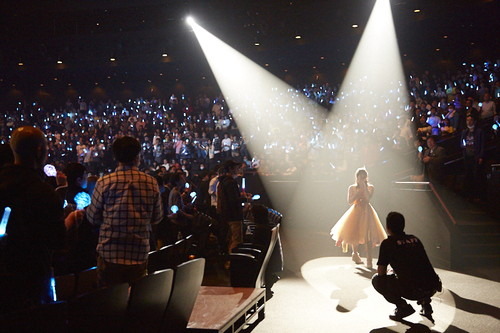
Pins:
x: 414, y: 277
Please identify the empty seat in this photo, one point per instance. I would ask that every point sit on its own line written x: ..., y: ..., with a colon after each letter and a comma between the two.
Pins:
x: 180, y: 251
x: 244, y: 270
x: 161, y: 259
x: 188, y: 245
x: 102, y: 310
x: 86, y: 281
x: 65, y: 287
x: 187, y: 282
x: 49, y: 317
x: 257, y: 253
x: 262, y: 271
x: 148, y: 301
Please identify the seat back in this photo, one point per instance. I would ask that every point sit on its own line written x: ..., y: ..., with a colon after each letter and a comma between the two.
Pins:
x: 49, y: 317
x: 260, y: 282
x: 244, y: 269
x: 102, y: 310
x: 257, y: 253
x: 161, y: 259
x: 187, y: 281
x: 180, y: 251
x: 188, y: 245
x: 86, y: 281
x: 275, y: 217
x: 65, y: 287
x: 148, y: 301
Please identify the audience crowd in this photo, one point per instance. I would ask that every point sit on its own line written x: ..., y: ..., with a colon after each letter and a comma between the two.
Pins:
x: 194, y: 150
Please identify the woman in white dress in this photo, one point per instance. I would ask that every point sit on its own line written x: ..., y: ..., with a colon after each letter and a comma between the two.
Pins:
x: 360, y: 223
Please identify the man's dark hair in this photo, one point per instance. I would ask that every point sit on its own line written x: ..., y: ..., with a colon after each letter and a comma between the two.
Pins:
x: 73, y: 171
x: 395, y: 222
x: 473, y: 116
x: 433, y: 137
x: 174, y: 179
x: 126, y: 149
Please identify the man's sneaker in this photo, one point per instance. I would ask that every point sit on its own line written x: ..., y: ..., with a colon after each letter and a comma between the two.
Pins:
x: 403, y: 312
x: 426, y: 311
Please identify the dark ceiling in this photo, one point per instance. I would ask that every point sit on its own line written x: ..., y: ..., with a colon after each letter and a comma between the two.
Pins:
x: 85, y: 35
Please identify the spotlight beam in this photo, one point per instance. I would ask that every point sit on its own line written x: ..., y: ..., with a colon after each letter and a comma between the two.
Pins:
x: 269, y: 113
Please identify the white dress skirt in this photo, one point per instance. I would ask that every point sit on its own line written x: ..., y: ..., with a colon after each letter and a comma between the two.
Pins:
x: 360, y: 224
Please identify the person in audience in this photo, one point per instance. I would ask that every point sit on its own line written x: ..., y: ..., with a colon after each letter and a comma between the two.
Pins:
x: 446, y: 128
x: 423, y: 129
x: 413, y: 278
x: 74, y: 193
x: 453, y: 116
x: 229, y: 200
x: 360, y: 224
x: 433, y: 159
x: 34, y: 228
x: 262, y: 231
x: 124, y: 204
x: 488, y: 108
x: 433, y: 120
x: 226, y: 146
x: 472, y: 142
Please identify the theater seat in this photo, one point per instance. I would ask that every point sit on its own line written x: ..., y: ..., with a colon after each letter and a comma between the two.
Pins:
x: 148, y: 301
x: 187, y: 281
x: 102, y: 310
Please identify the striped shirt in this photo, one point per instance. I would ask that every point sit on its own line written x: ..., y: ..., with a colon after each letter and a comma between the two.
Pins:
x: 124, y: 204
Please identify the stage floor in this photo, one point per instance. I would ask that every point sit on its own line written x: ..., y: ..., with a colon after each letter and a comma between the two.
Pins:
x: 332, y: 294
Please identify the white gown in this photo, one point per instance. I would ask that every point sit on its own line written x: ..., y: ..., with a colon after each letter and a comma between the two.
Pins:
x: 360, y: 223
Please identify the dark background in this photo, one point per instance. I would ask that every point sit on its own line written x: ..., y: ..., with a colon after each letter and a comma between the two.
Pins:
x: 84, y: 35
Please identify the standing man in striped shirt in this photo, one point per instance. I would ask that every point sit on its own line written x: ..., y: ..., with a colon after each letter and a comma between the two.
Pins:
x: 124, y: 204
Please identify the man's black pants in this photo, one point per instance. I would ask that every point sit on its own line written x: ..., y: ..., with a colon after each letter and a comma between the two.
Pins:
x: 390, y: 287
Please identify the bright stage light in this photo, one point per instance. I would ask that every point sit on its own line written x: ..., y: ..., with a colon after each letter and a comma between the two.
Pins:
x: 362, y: 130
x: 270, y: 114
x: 190, y: 20
x: 373, y: 96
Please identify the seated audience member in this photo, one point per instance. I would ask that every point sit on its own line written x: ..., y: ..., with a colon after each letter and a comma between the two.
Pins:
x: 414, y: 277
x: 35, y: 226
